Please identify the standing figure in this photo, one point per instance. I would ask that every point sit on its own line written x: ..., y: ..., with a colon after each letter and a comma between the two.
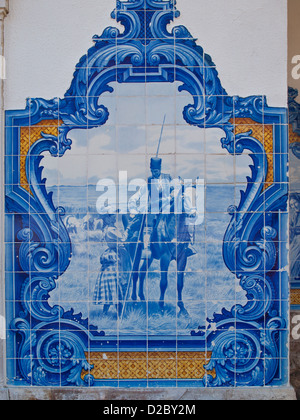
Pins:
x: 134, y: 233
x: 108, y: 290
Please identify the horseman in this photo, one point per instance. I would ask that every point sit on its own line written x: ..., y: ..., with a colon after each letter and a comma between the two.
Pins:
x: 157, y: 230
x: 159, y: 187
x: 157, y: 194
x: 161, y: 200
x: 143, y: 218
x: 169, y: 236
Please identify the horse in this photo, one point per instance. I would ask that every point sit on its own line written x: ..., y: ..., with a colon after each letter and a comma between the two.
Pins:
x: 170, y: 241
x: 135, y: 249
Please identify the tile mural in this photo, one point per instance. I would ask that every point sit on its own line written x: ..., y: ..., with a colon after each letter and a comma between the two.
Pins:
x: 147, y: 221
x: 294, y: 202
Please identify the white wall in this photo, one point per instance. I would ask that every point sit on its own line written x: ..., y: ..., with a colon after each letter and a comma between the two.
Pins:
x: 294, y: 43
x: 247, y: 40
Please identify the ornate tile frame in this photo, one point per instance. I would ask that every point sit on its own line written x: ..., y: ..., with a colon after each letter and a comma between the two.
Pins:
x: 248, y: 345
x: 294, y: 142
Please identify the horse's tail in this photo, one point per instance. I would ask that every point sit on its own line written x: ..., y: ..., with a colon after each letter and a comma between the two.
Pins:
x: 125, y: 221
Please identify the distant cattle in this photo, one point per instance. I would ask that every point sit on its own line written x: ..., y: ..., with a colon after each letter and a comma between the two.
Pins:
x: 98, y: 224
x: 88, y: 223
x: 72, y: 224
x: 92, y: 223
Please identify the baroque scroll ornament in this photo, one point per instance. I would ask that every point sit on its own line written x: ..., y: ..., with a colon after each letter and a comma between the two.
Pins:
x: 246, y: 341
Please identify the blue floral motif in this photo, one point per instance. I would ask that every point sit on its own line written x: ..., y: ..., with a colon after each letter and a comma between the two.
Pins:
x: 59, y: 355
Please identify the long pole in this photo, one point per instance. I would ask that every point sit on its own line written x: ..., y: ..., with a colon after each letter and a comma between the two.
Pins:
x: 133, y: 264
x: 141, y: 230
x: 162, y: 130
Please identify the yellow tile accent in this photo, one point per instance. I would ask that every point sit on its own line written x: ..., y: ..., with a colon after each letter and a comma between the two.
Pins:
x: 264, y: 134
x: 295, y: 297
x: 105, y: 370
x: 153, y: 365
x: 189, y: 369
x: 162, y: 369
x: 293, y: 137
x: 30, y: 135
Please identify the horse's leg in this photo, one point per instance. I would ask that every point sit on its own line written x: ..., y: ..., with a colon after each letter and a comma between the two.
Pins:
x: 106, y: 309
x: 164, y: 268
x: 181, y: 266
x: 119, y: 309
x: 136, y: 253
x: 145, y: 267
x: 135, y: 278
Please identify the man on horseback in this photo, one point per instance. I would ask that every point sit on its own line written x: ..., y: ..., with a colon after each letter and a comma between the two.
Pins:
x: 142, y: 220
x: 157, y: 230
x: 168, y: 235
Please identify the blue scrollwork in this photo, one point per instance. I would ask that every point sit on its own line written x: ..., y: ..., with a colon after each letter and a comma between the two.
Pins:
x: 48, y: 358
x: 35, y: 294
x: 246, y: 342
x: 260, y: 295
x: 114, y: 54
x: 249, y: 249
x: 294, y: 119
x: 234, y: 355
x: 246, y: 357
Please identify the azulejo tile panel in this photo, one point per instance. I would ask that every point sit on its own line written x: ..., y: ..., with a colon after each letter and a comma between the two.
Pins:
x: 146, y: 221
x: 294, y: 141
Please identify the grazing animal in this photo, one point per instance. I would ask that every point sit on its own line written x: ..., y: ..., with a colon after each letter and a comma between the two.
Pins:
x: 72, y: 224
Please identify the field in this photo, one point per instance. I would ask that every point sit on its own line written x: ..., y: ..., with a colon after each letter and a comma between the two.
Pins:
x: 209, y: 286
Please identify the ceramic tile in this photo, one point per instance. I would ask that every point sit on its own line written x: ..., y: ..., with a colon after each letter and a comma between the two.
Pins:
x: 102, y: 141
x: 220, y: 169
x: 132, y: 139
x: 148, y: 244
x: 153, y: 133
x: 66, y: 171
x: 195, y: 140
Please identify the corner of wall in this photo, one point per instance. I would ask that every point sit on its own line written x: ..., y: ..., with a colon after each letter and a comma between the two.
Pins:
x: 4, y: 9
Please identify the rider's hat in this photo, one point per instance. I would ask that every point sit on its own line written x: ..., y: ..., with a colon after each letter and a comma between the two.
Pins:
x: 155, y: 163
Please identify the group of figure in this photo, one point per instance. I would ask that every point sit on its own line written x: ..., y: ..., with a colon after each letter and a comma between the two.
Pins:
x: 163, y: 236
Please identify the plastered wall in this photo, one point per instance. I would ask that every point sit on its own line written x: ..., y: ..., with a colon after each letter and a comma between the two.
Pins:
x: 247, y: 41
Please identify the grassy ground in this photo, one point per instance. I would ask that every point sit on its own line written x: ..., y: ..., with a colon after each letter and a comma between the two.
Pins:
x: 208, y: 288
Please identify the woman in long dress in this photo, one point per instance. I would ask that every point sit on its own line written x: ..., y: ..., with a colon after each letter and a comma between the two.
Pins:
x: 110, y: 283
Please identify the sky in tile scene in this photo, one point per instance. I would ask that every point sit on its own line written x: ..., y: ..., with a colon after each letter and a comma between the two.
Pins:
x: 130, y: 138
x: 126, y: 143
